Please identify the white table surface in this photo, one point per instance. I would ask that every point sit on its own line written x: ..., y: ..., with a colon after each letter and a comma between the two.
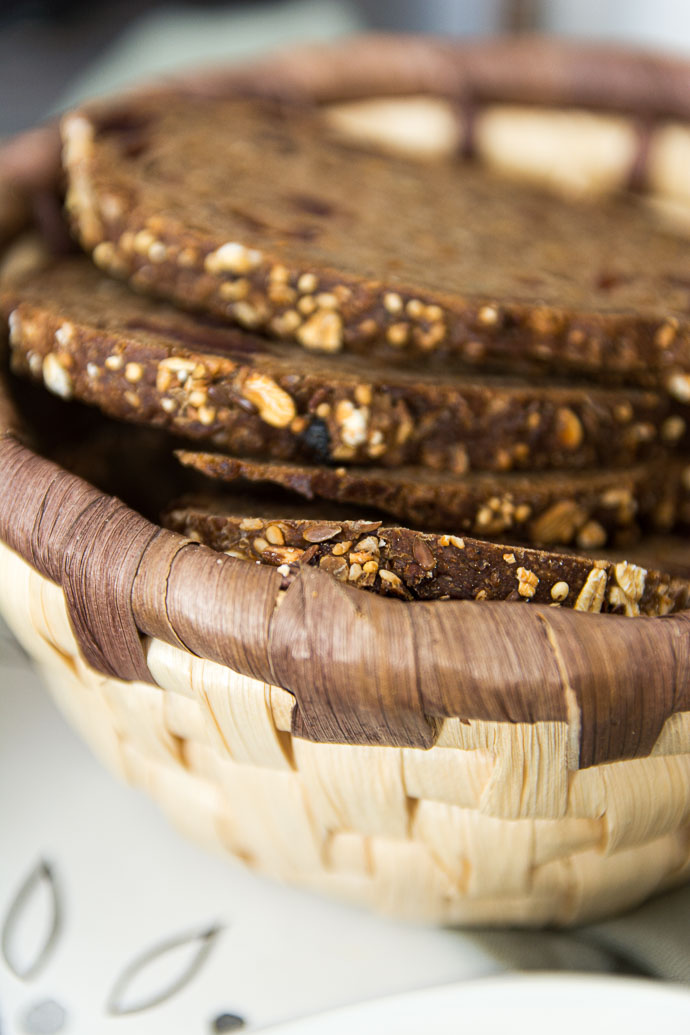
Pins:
x: 128, y: 882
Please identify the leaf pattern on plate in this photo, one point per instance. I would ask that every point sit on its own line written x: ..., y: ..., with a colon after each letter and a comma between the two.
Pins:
x: 198, y: 945
x: 46, y: 1017
x: 40, y: 878
x: 226, y: 1022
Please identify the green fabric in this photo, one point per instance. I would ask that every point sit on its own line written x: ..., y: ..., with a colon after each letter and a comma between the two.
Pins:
x: 178, y: 37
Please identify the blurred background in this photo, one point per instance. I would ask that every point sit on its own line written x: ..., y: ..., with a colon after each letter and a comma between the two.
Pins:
x: 54, y: 51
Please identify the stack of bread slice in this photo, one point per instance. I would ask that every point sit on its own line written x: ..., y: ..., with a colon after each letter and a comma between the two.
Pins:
x: 475, y: 386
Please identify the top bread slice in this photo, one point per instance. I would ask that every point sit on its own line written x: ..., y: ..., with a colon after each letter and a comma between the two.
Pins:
x: 257, y: 212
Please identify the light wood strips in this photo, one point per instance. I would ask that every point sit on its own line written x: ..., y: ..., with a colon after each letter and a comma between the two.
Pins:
x: 418, y: 834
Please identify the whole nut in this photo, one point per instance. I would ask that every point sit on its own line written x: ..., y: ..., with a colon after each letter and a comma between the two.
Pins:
x: 275, y: 406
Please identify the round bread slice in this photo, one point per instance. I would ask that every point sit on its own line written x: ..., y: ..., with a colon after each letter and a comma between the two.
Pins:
x: 584, y: 507
x: 414, y: 565
x: 669, y: 553
x: 92, y: 338
x: 258, y: 213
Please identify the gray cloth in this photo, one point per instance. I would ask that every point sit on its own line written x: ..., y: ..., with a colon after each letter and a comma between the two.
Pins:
x: 651, y: 941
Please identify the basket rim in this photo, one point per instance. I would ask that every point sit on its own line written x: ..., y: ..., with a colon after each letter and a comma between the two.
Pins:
x: 377, y: 670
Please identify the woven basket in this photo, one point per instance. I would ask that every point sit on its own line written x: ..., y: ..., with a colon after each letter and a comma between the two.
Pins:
x: 455, y: 762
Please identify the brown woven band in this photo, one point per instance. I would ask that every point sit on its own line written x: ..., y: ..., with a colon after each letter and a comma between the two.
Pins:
x: 362, y: 668
x: 526, y: 69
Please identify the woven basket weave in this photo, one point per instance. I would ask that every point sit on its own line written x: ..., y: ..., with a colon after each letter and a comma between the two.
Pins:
x: 447, y: 761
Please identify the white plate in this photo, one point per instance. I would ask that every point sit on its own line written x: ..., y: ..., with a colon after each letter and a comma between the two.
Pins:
x: 541, y: 1004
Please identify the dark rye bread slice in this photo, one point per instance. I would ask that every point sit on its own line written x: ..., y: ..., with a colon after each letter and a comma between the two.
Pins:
x: 669, y: 553
x: 424, y: 566
x: 256, y: 212
x: 91, y: 338
x: 589, y: 508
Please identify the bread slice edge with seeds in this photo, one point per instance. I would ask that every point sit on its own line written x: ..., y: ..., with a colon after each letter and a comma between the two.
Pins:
x: 91, y: 338
x: 588, y: 508
x: 396, y: 561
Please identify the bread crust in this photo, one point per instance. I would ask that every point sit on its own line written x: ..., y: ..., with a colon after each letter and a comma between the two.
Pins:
x: 588, y: 508
x: 137, y: 359
x: 397, y: 561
